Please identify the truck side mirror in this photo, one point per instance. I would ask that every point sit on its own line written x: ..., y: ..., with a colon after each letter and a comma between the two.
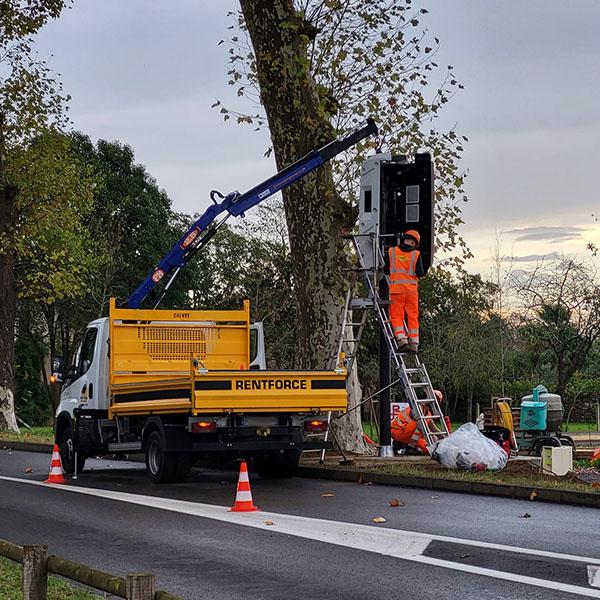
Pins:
x: 58, y: 365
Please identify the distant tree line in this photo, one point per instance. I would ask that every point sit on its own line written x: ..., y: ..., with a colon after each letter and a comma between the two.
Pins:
x: 472, y: 352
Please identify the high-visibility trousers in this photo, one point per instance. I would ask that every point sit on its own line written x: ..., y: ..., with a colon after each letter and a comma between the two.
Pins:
x: 405, y: 306
x: 405, y: 431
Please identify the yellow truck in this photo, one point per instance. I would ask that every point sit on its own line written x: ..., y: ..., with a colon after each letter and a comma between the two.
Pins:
x: 180, y: 385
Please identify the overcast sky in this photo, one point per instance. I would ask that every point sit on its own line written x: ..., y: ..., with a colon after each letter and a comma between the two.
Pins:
x: 146, y: 73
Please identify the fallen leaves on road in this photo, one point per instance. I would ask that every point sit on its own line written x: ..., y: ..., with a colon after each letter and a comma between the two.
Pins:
x: 525, y: 516
x: 327, y: 495
x: 435, y: 497
x: 464, y: 556
x: 29, y: 470
x: 269, y: 523
x: 396, y: 502
x: 533, y: 495
x: 378, y: 520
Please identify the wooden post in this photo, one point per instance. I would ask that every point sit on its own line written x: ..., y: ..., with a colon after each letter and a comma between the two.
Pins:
x: 140, y: 587
x: 35, y: 572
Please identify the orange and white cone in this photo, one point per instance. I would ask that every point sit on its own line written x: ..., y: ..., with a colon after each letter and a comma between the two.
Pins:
x: 56, y: 472
x: 243, y: 496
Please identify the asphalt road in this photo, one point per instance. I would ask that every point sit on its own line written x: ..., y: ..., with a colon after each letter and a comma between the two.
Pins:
x: 197, y: 551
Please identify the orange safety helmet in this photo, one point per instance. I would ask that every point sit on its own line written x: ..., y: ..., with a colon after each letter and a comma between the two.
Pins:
x: 414, y: 234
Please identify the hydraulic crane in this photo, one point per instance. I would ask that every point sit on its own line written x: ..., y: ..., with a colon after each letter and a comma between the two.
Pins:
x: 236, y: 204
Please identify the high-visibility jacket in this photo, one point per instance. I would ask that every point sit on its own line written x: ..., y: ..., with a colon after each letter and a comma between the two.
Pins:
x: 403, y: 269
x: 405, y: 431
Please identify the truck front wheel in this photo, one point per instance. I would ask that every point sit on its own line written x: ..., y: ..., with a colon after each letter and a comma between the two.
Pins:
x: 278, y: 465
x: 162, y: 466
x: 67, y: 452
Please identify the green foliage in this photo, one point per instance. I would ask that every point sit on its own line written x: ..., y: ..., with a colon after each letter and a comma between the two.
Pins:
x: 130, y: 225
x: 31, y: 98
x: 368, y: 58
x: 33, y: 398
x: 50, y: 241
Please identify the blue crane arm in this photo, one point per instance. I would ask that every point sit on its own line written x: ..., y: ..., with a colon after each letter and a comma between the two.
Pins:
x: 200, y: 233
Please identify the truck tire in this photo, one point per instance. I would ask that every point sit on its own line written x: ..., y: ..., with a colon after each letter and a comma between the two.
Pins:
x: 278, y: 465
x: 163, y: 466
x: 182, y: 468
x: 66, y: 446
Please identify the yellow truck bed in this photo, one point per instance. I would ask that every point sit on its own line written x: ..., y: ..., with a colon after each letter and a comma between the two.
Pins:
x: 197, y: 362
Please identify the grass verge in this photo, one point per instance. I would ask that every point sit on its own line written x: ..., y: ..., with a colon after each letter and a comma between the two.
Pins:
x: 40, y: 435
x: 58, y: 589
x: 514, y: 474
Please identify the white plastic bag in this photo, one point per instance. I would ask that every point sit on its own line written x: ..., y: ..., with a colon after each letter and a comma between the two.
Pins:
x: 467, y: 449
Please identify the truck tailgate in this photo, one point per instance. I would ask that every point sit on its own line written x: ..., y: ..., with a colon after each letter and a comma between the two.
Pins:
x: 269, y: 391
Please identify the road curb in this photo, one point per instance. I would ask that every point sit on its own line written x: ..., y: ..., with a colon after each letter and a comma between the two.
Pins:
x: 26, y: 446
x: 483, y: 488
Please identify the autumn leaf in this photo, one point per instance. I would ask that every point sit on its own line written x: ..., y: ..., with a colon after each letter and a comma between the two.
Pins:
x: 327, y: 495
x: 525, y: 516
x: 378, y: 520
x: 396, y: 502
x: 533, y: 495
x: 269, y: 523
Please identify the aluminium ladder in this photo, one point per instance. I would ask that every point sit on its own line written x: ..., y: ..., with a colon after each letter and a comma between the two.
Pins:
x: 412, y: 373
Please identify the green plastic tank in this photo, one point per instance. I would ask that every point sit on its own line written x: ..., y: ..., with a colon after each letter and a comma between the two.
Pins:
x: 554, y: 408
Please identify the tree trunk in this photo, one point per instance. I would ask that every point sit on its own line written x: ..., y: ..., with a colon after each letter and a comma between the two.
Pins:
x: 8, y: 291
x: 315, y: 213
x: 8, y: 309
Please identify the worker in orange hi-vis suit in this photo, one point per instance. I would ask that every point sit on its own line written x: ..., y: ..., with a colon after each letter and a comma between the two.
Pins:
x: 404, y: 267
x: 405, y: 430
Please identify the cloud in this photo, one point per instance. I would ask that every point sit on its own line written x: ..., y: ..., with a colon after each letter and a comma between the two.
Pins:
x: 550, y: 234
x: 529, y: 258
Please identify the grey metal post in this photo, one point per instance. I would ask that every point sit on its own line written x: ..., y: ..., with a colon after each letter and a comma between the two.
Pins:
x: 140, y: 587
x: 35, y: 572
x: 385, y: 420
x: 597, y: 416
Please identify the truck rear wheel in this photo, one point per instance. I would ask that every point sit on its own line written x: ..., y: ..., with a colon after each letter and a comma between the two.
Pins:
x: 163, y: 466
x: 66, y: 445
x: 278, y: 465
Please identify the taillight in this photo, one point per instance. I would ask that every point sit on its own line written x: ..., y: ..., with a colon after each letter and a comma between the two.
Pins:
x: 204, y: 427
x: 315, y: 425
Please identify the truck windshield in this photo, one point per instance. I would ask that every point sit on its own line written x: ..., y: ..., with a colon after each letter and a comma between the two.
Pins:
x: 87, y: 351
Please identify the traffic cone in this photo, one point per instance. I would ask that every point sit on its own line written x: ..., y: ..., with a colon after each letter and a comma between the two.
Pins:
x: 243, y: 496
x: 56, y: 472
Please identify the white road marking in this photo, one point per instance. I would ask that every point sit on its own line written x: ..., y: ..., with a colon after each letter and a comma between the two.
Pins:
x: 407, y: 545
x: 594, y: 576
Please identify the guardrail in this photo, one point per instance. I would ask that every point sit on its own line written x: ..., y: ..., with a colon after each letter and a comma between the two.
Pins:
x: 37, y: 565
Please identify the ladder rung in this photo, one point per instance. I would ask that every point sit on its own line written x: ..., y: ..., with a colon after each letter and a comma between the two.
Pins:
x: 425, y: 400
x: 358, y: 269
x: 420, y: 384
x: 351, y: 340
x: 416, y: 370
